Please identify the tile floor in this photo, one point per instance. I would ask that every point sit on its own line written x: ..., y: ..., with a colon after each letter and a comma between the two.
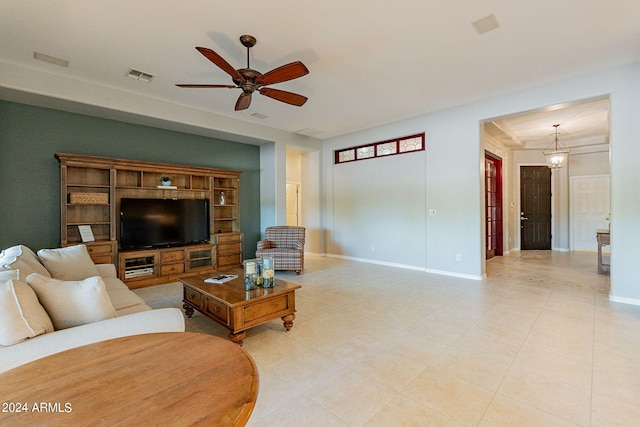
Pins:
x: 535, y: 344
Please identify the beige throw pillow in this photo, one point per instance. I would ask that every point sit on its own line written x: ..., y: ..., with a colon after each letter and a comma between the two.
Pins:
x: 73, y: 303
x: 21, y: 315
x: 70, y: 263
x: 22, y: 258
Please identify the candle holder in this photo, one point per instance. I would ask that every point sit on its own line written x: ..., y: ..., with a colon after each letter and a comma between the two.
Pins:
x: 250, y: 275
x: 267, y: 272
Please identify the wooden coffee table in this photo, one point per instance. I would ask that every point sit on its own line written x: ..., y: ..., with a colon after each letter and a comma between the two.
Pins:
x: 236, y: 309
x: 173, y: 378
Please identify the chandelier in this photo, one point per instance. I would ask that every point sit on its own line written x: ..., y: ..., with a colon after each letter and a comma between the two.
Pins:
x: 557, y: 157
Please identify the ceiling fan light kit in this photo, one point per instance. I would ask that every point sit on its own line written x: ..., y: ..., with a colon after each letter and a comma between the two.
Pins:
x: 250, y: 80
x: 559, y: 156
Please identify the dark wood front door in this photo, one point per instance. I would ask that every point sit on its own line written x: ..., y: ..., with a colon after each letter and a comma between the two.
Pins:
x: 535, y: 207
x: 493, y: 204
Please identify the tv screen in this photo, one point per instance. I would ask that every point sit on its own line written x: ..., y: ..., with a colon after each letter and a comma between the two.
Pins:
x: 155, y: 223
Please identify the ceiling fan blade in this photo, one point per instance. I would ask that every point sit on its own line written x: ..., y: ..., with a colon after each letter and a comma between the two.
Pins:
x: 243, y: 101
x: 282, y: 74
x: 205, y: 86
x: 284, y: 96
x: 220, y: 62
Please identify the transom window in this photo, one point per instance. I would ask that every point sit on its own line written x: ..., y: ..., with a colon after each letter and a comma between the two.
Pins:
x: 406, y: 144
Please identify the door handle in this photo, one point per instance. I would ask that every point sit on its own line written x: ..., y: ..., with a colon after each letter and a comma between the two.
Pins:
x: 524, y: 218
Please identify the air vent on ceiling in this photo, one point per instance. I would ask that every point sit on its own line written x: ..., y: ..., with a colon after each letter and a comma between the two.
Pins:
x: 259, y: 116
x: 140, y: 75
x: 51, y: 59
x: 309, y: 131
x: 486, y: 24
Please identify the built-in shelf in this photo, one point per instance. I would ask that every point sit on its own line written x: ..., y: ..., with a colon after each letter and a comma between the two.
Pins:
x: 116, y: 179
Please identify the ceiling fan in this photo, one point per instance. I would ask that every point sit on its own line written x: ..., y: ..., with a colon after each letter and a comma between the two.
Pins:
x: 250, y: 80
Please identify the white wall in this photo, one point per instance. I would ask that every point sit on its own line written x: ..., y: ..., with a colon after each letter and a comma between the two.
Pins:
x: 380, y: 207
x: 453, y: 184
x: 361, y: 203
x: 311, y: 195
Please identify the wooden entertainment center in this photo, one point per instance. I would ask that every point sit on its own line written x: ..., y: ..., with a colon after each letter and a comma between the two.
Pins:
x: 90, y: 192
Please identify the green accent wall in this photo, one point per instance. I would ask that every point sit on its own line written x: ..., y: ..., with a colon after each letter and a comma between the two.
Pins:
x: 30, y: 175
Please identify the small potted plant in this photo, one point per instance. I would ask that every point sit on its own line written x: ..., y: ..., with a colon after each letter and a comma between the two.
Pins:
x: 165, y: 180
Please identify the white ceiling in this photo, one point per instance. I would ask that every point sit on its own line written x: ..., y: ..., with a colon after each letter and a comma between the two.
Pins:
x: 583, y: 126
x: 371, y: 62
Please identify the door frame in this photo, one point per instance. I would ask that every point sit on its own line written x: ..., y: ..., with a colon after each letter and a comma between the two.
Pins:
x: 298, y: 186
x: 500, y: 202
x: 519, y: 204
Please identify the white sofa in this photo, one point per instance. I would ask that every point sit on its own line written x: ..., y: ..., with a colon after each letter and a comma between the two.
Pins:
x: 78, y: 308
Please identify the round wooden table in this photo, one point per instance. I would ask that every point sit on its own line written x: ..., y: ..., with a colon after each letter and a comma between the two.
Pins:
x: 175, y: 378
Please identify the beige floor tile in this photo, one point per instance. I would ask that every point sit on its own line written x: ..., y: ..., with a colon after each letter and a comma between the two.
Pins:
x: 569, y: 370
x: 450, y: 396
x: 610, y: 411
x: 305, y: 368
x: 390, y: 368
x: 273, y: 394
x: 496, y: 346
x: 622, y: 383
x: 536, y: 343
x: 563, y: 400
x: 506, y: 412
x: 477, y: 368
x: 300, y: 411
x: 351, y: 396
x: 405, y: 412
x: 560, y: 342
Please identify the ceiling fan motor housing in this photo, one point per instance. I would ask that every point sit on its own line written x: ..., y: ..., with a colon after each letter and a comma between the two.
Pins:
x: 249, y: 85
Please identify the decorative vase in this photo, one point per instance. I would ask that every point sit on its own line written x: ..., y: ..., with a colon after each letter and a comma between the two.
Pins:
x: 166, y: 183
x: 223, y: 199
x: 267, y: 272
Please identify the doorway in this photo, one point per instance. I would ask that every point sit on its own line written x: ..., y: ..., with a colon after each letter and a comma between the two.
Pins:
x: 293, y: 204
x: 535, y: 208
x: 493, y: 205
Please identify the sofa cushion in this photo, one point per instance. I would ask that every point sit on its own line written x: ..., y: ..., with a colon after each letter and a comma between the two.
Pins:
x: 23, y: 259
x: 73, y: 303
x: 120, y: 295
x: 21, y: 315
x: 161, y: 320
x: 69, y: 263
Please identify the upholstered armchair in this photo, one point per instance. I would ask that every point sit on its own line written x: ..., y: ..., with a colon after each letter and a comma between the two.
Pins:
x: 285, y: 244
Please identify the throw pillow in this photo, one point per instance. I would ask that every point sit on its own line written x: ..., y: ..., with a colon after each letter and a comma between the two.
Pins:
x: 8, y: 275
x: 73, y: 303
x: 21, y: 315
x: 70, y: 263
x: 22, y: 258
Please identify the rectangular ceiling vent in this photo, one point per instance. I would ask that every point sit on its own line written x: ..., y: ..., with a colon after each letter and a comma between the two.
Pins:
x: 140, y: 75
x: 51, y: 59
x: 486, y: 24
x: 259, y: 116
x: 309, y: 132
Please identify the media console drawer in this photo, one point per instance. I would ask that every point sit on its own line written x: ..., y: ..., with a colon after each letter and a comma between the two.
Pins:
x: 171, y: 256
x: 139, y: 268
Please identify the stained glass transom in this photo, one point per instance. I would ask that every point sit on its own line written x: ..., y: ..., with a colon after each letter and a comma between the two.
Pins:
x: 391, y: 147
x: 365, y: 152
x: 410, y: 144
x: 387, y: 148
x: 346, y: 155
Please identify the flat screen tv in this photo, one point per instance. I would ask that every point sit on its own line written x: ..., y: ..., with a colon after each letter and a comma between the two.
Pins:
x: 157, y: 223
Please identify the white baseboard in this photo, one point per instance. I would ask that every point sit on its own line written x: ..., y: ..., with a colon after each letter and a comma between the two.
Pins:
x: 622, y: 300
x: 406, y: 266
